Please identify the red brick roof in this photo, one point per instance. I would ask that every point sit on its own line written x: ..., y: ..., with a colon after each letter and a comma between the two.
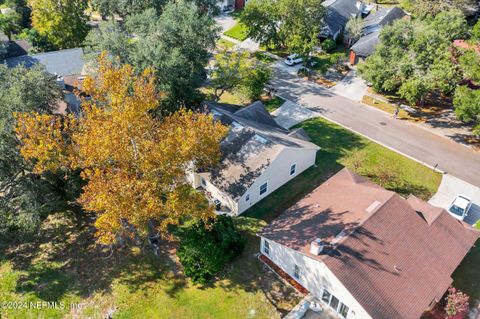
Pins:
x: 394, y: 260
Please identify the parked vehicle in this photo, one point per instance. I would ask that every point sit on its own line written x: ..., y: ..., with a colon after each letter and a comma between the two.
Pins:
x: 293, y: 59
x: 460, y: 206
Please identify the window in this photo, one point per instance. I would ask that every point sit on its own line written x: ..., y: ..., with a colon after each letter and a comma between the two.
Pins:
x: 343, y: 311
x: 263, y: 188
x: 326, y: 296
x: 293, y: 168
x: 247, y: 198
x: 296, y: 272
x: 203, y: 181
x: 334, y: 302
x: 266, y: 247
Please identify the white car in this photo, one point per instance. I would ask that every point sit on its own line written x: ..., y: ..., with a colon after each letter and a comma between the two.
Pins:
x: 460, y: 206
x: 293, y: 59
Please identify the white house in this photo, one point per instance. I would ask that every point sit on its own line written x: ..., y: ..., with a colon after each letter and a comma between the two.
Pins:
x: 258, y: 156
x: 365, y: 252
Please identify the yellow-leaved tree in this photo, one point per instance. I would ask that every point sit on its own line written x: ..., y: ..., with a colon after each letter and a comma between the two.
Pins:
x: 135, y: 165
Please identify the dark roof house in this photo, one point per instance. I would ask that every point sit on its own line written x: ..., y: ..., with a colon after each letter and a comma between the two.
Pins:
x: 337, y: 15
x: 395, y: 256
x: 373, y: 24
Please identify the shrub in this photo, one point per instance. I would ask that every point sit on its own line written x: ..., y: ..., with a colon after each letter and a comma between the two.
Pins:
x: 328, y: 45
x: 457, y: 304
x: 205, y: 248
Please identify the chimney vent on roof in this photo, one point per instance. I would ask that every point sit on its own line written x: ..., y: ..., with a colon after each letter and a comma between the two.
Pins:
x: 316, y: 247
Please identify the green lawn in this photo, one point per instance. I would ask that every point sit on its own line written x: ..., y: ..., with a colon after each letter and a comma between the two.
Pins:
x: 62, y: 264
x: 341, y: 147
x: 238, y: 31
x: 325, y: 60
x: 225, y: 44
x: 467, y: 276
x: 260, y: 56
x: 273, y: 104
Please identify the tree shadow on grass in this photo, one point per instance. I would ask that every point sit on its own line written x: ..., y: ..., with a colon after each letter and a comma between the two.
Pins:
x: 63, y: 258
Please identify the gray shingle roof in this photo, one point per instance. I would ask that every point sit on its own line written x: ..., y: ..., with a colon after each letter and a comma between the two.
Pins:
x: 383, y: 17
x: 373, y: 24
x: 365, y: 46
x: 63, y: 62
x: 337, y: 15
x: 253, y: 142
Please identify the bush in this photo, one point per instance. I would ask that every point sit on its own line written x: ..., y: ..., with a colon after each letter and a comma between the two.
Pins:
x: 205, y: 248
x: 328, y: 45
x: 457, y: 304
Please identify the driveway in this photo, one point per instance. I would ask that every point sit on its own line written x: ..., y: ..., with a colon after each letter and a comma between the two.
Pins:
x: 451, y: 187
x: 351, y: 87
x: 290, y: 70
x: 290, y: 114
x: 225, y: 21
x: 401, y: 136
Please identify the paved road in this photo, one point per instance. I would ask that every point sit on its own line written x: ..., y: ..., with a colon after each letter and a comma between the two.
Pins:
x: 402, y: 136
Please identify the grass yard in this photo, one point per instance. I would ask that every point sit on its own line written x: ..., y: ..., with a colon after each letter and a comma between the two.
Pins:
x: 238, y: 31
x: 261, y: 56
x: 467, y: 277
x: 384, y: 106
x: 225, y: 44
x: 324, y: 61
x: 340, y: 148
x: 62, y: 264
x: 271, y: 104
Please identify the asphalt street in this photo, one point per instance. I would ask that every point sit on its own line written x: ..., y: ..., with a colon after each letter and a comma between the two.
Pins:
x: 402, y: 136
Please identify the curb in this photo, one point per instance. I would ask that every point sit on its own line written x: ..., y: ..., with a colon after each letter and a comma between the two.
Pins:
x: 419, y: 125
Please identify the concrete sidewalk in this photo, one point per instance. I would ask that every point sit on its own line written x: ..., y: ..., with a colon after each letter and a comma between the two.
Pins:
x: 401, y: 136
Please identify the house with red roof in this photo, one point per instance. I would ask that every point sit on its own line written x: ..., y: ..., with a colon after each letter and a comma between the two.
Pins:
x: 366, y: 252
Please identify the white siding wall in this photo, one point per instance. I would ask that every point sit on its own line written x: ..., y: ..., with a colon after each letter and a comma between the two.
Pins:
x: 221, y: 196
x: 277, y: 174
x: 315, y: 276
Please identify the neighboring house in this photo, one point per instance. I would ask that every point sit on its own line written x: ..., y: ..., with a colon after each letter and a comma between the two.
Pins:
x: 240, y: 4
x: 373, y: 24
x: 367, y: 252
x: 461, y: 45
x: 338, y: 12
x: 69, y: 67
x: 227, y: 5
x: 61, y: 63
x: 258, y: 156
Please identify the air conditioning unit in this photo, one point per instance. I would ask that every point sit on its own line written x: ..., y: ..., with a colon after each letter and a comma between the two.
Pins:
x: 218, y: 204
x: 316, y: 246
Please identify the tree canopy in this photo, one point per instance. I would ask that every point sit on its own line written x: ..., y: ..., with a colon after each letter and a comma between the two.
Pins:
x: 62, y: 22
x: 135, y: 165
x: 239, y: 72
x: 414, y: 58
x: 423, y: 8
x: 292, y: 24
x: 177, y: 44
x: 25, y: 198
